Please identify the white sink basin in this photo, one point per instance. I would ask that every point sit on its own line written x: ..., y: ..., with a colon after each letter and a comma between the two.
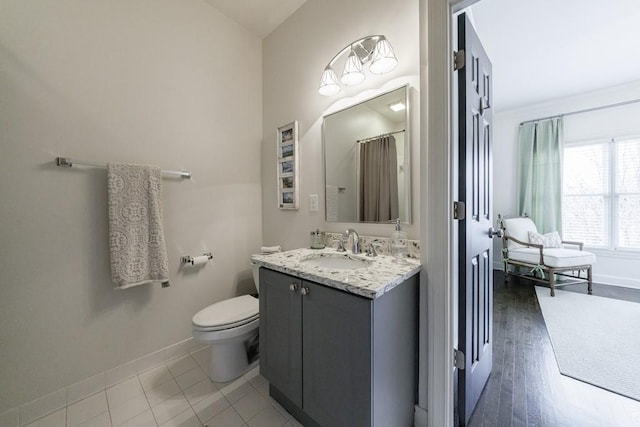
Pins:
x: 335, y: 261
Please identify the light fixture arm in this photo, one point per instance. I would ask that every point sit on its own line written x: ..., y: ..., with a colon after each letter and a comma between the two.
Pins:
x: 358, y: 43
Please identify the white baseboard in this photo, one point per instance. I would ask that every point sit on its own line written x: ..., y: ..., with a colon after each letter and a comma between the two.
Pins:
x: 30, y: 411
x: 419, y: 417
x: 624, y: 282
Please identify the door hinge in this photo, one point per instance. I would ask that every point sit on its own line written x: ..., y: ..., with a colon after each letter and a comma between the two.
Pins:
x: 458, y: 60
x: 458, y: 210
x: 458, y: 359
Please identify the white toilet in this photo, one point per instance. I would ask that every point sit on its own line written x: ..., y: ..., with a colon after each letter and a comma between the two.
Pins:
x: 231, y: 328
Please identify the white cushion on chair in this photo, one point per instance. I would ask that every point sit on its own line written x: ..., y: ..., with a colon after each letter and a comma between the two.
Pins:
x: 553, y: 257
x: 518, y: 228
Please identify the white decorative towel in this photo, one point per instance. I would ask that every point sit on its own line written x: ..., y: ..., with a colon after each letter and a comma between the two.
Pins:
x: 332, y: 203
x: 136, y: 236
x: 265, y: 250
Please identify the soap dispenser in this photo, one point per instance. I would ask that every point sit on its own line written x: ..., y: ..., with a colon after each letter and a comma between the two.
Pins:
x: 399, y: 242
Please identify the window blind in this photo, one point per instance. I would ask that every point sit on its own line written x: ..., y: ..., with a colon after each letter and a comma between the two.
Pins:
x: 601, y: 193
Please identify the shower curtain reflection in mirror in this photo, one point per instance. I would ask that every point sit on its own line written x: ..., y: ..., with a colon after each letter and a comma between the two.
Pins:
x: 378, y: 180
x: 352, y: 196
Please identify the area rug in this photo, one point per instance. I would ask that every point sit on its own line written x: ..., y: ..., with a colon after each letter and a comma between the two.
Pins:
x: 595, y: 339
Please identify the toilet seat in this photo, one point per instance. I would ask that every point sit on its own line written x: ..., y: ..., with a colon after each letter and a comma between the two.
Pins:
x: 227, y: 314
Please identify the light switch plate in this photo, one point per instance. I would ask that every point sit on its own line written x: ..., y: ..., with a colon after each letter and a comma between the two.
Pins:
x: 313, y: 203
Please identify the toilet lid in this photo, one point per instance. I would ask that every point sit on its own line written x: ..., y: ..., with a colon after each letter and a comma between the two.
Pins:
x: 236, y: 310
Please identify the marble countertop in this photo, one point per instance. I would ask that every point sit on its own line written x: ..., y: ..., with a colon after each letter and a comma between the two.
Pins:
x: 383, y: 274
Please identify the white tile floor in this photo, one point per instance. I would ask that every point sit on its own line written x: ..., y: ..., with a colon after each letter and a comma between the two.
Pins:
x: 177, y: 393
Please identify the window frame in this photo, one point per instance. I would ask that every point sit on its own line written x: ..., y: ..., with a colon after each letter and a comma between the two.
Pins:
x: 612, y: 196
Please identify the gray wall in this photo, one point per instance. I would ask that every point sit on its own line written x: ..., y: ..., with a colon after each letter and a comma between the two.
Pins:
x: 171, y: 83
x: 294, y: 56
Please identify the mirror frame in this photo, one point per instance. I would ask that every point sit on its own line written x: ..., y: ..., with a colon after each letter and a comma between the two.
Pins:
x: 407, y: 156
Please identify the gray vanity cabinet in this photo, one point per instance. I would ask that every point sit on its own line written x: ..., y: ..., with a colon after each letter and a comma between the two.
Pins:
x: 281, y: 333
x: 338, y: 359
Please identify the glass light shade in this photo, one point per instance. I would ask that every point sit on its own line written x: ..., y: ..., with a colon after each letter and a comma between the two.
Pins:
x: 329, y: 82
x: 352, y: 74
x: 383, y: 59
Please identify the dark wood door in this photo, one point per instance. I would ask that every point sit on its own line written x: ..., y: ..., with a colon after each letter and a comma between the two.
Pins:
x: 336, y: 356
x: 475, y: 289
x: 281, y: 327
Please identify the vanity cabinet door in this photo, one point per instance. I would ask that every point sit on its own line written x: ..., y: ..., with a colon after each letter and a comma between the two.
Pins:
x: 336, y: 335
x: 281, y: 333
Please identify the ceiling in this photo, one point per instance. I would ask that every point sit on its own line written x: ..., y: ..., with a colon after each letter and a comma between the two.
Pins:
x: 380, y: 105
x: 540, y: 50
x: 260, y: 17
x: 546, y: 49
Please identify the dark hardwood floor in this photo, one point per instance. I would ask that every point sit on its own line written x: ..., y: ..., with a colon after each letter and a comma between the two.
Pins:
x: 525, y: 387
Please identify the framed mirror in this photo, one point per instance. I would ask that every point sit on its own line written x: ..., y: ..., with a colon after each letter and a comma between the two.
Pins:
x: 366, y: 160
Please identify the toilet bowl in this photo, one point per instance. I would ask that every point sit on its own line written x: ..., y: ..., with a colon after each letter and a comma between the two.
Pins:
x: 230, y: 327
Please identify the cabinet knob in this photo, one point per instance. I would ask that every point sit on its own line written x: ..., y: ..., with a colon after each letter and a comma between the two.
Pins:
x: 293, y: 287
x: 305, y: 291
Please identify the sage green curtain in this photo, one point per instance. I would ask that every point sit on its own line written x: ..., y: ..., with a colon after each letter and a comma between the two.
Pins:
x: 540, y: 181
x: 378, y: 180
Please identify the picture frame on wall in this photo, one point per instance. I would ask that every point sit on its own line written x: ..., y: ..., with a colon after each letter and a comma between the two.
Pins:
x: 287, y: 166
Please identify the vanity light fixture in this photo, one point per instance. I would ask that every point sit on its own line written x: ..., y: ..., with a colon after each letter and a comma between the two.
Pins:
x: 374, y: 49
x: 397, y: 106
x: 353, y: 73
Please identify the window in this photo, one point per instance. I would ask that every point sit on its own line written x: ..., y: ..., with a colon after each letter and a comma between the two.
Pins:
x: 601, y: 193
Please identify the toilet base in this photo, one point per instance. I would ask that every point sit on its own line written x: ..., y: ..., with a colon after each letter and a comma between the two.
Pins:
x: 230, y: 360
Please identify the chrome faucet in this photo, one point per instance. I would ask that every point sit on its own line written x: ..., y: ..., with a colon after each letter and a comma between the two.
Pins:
x: 355, y: 248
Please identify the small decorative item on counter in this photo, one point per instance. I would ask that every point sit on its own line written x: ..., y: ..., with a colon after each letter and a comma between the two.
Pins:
x: 317, y: 239
x: 399, y: 247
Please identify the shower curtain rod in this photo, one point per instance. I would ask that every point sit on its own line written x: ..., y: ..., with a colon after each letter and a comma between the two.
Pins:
x: 586, y: 110
x: 66, y: 162
x: 380, y: 136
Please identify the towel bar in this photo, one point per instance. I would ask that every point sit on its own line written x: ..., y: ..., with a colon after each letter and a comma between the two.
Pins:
x: 66, y: 162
